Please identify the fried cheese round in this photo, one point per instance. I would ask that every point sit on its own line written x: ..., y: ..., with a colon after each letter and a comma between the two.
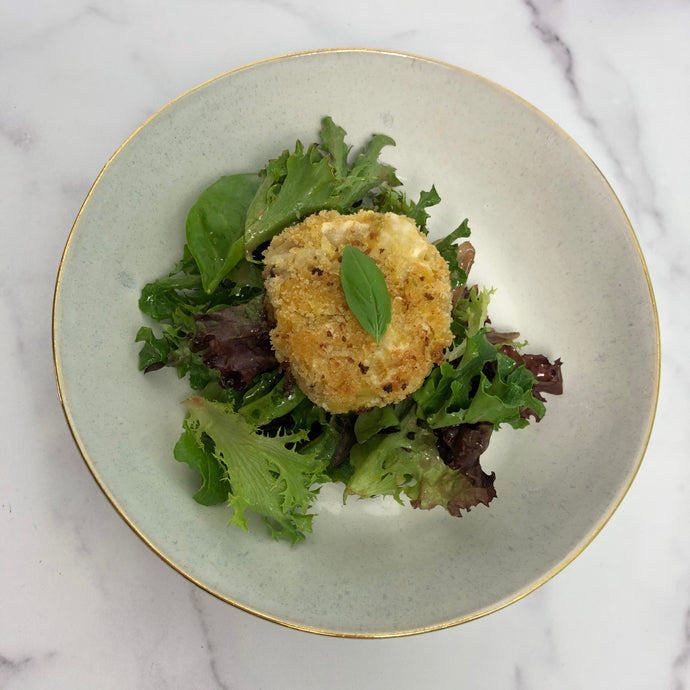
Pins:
x: 333, y: 360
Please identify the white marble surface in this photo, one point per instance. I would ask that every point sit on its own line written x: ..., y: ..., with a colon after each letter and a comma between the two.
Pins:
x: 83, y: 602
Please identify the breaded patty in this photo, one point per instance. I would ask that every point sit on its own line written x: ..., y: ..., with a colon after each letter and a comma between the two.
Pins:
x: 332, y: 358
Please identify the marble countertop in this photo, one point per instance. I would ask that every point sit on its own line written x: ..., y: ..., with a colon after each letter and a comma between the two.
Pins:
x: 84, y: 603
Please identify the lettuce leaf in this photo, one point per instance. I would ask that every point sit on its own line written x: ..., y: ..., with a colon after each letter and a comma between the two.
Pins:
x: 448, y: 249
x: 214, y: 486
x: 326, y: 177
x: 470, y: 311
x: 485, y: 385
x: 469, y: 316
x: 264, y: 474
x: 292, y: 188
x: 235, y: 342
x: 406, y: 462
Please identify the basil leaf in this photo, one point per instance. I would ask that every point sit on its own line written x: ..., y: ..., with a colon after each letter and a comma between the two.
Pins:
x: 366, y: 291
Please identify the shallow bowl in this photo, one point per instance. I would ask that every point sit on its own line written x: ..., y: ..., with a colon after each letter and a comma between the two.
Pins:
x: 551, y: 237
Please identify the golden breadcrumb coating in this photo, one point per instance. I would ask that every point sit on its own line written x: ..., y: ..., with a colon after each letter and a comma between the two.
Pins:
x: 335, y: 362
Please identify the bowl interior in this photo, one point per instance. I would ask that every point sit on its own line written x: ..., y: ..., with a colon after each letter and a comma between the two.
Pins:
x: 551, y: 237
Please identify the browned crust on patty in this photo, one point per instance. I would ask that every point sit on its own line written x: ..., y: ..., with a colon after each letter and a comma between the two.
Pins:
x: 332, y: 358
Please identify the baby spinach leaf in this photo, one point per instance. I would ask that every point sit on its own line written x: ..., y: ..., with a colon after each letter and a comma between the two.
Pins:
x: 154, y: 353
x: 215, y: 226
x: 366, y: 291
x: 269, y: 398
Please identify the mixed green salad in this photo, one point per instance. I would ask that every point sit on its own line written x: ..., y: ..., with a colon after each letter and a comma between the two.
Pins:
x: 257, y: 442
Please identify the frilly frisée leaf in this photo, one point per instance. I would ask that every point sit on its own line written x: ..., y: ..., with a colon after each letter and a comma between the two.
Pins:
x: 264, y: 474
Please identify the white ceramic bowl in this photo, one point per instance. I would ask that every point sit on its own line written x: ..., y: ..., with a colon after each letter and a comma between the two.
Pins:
x: 551, y: 237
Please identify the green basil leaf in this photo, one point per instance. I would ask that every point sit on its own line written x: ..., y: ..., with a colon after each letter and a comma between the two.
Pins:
x: 366, y: 291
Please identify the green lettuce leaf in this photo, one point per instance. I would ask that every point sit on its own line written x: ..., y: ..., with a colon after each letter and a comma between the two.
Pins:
x: 417, y: 210
x: 371, y: 422
x: 214, y: 486
x: 266, y: 476
x: 406, y: 462
x: 333, y: 144
x: 448, y: 249
x: 287, y: 194
x: 320, y: 177
x: 366, y: 173
x: 470, y: 314
x: 485, y: 385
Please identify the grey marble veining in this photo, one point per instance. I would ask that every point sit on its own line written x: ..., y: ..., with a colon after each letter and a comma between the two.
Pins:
x: 619, y: 136
x: 681, y: 664
x: 209, y: 645
x: 83, y: 602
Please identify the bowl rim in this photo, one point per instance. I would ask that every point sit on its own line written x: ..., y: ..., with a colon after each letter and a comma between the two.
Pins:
x: 275, y: 619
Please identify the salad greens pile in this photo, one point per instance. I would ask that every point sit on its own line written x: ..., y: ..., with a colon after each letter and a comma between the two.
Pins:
x: 256, y: 441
